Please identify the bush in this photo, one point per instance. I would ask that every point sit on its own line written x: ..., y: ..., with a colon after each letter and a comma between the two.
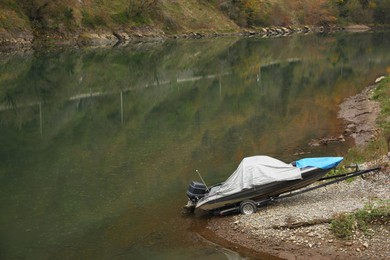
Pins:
x: 382, y: 95
x: 346, y: 225
x: 120, y: 18
x: 137, y: 8
x: 92, y: 21
x: 382, y: 12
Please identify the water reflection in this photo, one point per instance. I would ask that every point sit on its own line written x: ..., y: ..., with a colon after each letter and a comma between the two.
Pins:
x: 98, y: 146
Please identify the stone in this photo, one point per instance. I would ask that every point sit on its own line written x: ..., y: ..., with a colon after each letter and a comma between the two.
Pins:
x: 93, y: 39
x: 379, y: 79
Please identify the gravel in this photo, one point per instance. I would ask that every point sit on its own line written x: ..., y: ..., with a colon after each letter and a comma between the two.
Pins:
x: 267, y: 230
x: 270, y: 232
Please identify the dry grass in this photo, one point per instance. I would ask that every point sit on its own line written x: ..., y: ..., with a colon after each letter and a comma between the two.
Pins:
x: 12, y: 18
x: 182, y: 16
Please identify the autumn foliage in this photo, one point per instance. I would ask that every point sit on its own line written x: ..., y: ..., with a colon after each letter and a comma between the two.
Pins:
x: 277, y: 12
x: 310, y: 12
x: 69, y: 16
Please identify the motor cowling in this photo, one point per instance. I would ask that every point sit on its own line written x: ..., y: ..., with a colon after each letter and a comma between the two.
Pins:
x: 196, y: 191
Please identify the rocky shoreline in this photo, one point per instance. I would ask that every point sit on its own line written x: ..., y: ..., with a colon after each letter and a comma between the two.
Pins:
x: 26, y: 39
x: 360, y: 112
x: 15, y: 41
x: 298, y: 227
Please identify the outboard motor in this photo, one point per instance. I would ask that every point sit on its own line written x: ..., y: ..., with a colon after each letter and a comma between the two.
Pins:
x: 196, y: 191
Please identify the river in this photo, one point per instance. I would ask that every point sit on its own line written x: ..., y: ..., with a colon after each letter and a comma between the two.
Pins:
x: 98, y: 145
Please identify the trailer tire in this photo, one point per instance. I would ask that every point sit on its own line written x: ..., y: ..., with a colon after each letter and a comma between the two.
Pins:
x: 248, y: 207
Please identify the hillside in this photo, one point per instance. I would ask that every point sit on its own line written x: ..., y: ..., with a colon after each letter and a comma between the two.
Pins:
x: 21, y: 21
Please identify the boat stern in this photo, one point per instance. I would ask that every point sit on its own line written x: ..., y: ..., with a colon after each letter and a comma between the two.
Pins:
x: 196, y: 191
x: 189, y: 207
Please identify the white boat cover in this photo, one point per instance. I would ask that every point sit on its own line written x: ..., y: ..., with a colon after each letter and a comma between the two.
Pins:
x: 256, y: 170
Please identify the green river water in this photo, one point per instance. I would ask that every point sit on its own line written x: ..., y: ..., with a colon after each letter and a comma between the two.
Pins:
x: 98, y: 145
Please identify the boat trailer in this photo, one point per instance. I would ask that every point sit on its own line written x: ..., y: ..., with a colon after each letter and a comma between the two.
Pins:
x: 247, y: 207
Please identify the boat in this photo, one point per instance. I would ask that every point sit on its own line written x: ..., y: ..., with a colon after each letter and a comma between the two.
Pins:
x: 256, y: 179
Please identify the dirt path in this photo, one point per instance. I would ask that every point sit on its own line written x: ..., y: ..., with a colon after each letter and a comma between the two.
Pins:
x: 361, y: 112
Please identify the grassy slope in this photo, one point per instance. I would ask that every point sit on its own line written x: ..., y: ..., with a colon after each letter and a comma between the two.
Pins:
x: 380, y: 145
x: 194, y: 15
x: 377, y: 212
x: 12, y: 19
x: 71, y: 17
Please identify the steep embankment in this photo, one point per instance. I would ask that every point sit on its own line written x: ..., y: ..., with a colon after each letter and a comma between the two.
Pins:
x: 15, y: 27
x: 97, y: 22
x: 100, y: 22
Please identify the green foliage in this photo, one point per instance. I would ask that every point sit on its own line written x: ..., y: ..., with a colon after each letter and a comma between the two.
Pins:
x: 278, y: 12
x: 370, y: 152
x: 379, y: 146
x: 363, y: 11
x: 66, y: 16
x: 246, y: 13
x: 140, y: 7
x: 346, y: 225
x: 12, y: 16
x: 68, y: 13
x: 120, y: 18
x: 382, y: 95
x: 357, y: 12
x: 382, y: 12
x: 136, y: 12
x: 92, y: 21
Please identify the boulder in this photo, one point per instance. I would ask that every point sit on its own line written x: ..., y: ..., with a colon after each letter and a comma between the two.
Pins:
x: 357, y: 28
x: 95, y: 39
x: 379, y: 79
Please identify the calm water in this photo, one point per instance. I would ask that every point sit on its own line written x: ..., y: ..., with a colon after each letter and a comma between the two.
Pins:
x: 97, y: 146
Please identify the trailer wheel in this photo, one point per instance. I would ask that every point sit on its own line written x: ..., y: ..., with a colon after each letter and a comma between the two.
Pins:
x: 248, y: 207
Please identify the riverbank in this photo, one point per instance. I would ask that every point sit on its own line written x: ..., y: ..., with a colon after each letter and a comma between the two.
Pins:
x: 100, y: 23
x: 299, y: 227
x: 26, y: 40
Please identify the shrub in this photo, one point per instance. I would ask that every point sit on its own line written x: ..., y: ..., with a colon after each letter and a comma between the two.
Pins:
x: 92, y: 21
x: 382, y: 12
x: 120, y: 18
x: 345, y: 225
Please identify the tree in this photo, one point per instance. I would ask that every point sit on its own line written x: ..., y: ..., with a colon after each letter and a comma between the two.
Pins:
x: 358, y: 11
x: 382, y: 12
